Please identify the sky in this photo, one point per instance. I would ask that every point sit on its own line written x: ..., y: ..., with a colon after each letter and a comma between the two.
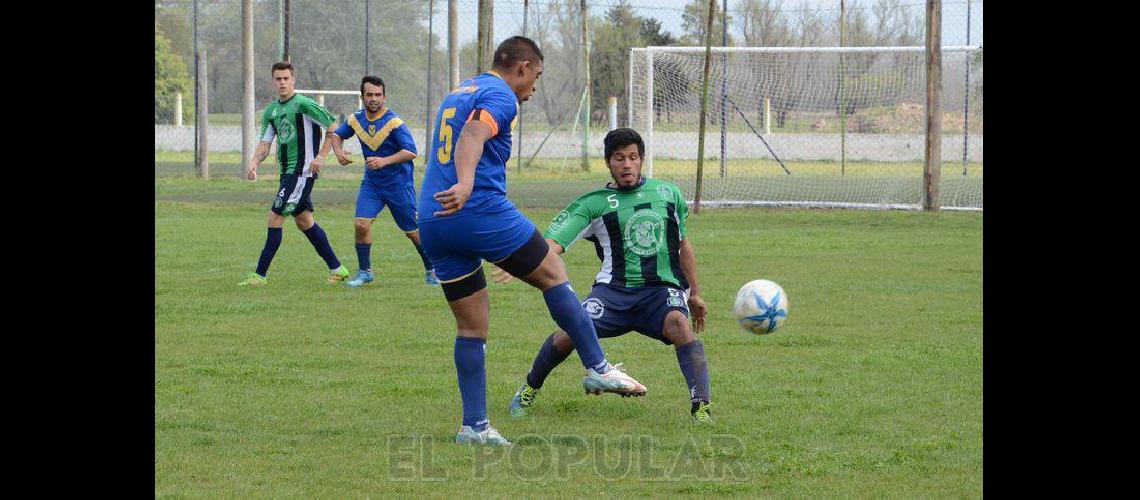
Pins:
x: 508, y: 15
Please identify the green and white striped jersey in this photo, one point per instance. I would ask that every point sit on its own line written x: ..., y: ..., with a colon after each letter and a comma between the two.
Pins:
x: 296, y: 124
x: 636, y: 233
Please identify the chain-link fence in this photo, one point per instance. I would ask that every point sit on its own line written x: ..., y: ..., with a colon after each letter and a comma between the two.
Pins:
x: 334, y: 43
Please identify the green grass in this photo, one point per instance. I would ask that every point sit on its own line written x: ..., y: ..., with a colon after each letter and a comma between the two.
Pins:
x: 873, y: 387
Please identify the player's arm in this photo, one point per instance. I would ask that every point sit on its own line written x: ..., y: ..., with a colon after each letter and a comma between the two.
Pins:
x: 468, y: 150
x: 259, y: 156
x: 378, y: 162
x: 697, y: 308
x: 268, y: 133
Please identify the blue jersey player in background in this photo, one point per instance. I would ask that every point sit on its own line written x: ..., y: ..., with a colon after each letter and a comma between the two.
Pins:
x: 388, y: 150
x: 465, y: 218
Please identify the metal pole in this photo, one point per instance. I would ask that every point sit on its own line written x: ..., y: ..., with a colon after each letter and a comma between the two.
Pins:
x: 428, y: 122
x: 201, y: 124
x: 452, y: 45
x: 842, y: 96
x: 285, y: 52
x: 932, y: 167
x: 518, y: 161
x: 723, y: 90
x: 966, y: 112
x: 649, y: 112
x: 197, y: 84
x: 247, y: 119
x: 704, y: 109
x: 585, y: 12
x: 280, y: 30
x: 368, y: 37
x: 178, y: 109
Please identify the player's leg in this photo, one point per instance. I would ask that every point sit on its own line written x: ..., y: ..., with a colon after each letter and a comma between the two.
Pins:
x: 535, y: 263
x: 465, y: 288
x: 303, y: 217
x: 368, y: 205
x: 402, y: 204
x: 610, y: 310
x: 553, y: 352
x: 668, y: 321
x: 275, y: 220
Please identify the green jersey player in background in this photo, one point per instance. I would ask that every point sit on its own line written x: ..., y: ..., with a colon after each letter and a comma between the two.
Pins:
x: 295, y: 121
x: 648, y: 279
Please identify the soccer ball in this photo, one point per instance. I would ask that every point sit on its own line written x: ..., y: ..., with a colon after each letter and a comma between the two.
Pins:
x: 761, y: 306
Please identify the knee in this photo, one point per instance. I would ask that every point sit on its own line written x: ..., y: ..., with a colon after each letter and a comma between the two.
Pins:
x: 362, y: 225
x: 677, y: 329
x: 562, y: 342
x: 303, y: 224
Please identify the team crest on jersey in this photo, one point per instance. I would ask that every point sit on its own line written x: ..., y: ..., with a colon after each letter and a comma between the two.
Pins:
x: 594, y: 307
x: 664, y: 192
x: 372, y: 128
x: 644, y: 232
x: 286, y: 131
x: 676, y: 298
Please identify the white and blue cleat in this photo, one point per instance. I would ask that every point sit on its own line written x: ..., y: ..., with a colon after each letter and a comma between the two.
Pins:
x: 360, y: 279
x: 614, y: 380
x: 489, y: 436
x: 430, y: 277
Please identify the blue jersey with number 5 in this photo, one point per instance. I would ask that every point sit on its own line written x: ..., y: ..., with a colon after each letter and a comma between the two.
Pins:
x: 486, y: 98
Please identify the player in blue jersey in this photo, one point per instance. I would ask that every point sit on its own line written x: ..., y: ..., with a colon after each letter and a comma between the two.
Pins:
x: 465, y: 218
x: 388, y: 150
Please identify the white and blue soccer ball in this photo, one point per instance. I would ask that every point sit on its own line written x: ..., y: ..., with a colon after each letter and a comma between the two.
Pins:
x: 761, y: 306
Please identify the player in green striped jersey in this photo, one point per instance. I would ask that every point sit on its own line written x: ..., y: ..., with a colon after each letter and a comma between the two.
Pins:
x: 295, y: 121
x: 648, y: 279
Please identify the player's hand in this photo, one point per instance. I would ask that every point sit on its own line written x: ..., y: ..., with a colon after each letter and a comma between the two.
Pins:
x: 344, y: 159
x: 251, y: 173
x: 453, y: 199
x: 698, y: 311
x: 374, y: 162
x: 316, y: 164
x: 500, y: 276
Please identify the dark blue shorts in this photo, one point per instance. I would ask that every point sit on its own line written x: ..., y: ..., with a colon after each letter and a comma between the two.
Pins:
x: 457, y: 247
x: 401, y: 202
x: 618, y: 310
x: 293, y: 195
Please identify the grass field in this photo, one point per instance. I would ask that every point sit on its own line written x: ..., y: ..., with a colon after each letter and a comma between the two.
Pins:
x: 873, y: 387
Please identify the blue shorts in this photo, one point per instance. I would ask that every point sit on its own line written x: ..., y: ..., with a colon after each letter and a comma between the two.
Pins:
x: 618, y: 310
x: 457, y: 247
x: 294, y: 195
x: 400, y: 199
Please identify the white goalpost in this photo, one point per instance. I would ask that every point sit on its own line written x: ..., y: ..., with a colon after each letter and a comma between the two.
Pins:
x: 808, y: 126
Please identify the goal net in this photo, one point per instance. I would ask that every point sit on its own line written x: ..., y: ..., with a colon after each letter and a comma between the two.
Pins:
x: 809, y: 126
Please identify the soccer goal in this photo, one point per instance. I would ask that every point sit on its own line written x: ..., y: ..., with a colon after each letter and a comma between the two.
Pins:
x: 809, y: 126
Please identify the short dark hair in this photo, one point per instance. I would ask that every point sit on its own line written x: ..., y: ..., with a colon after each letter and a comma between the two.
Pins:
x: 621, y: 137
x: 374, y: 80
x: 515, y: 49
x: 280, y: 65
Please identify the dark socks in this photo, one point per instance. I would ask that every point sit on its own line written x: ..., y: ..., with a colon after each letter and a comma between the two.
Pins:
x: 364, y: 255
x: 695, y: 368
x: 548, y: 357
x: 423, y: 256
x: 472, y: 373
x: 320, y: 242
x: 568, y: 313
x: 272, y: 243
